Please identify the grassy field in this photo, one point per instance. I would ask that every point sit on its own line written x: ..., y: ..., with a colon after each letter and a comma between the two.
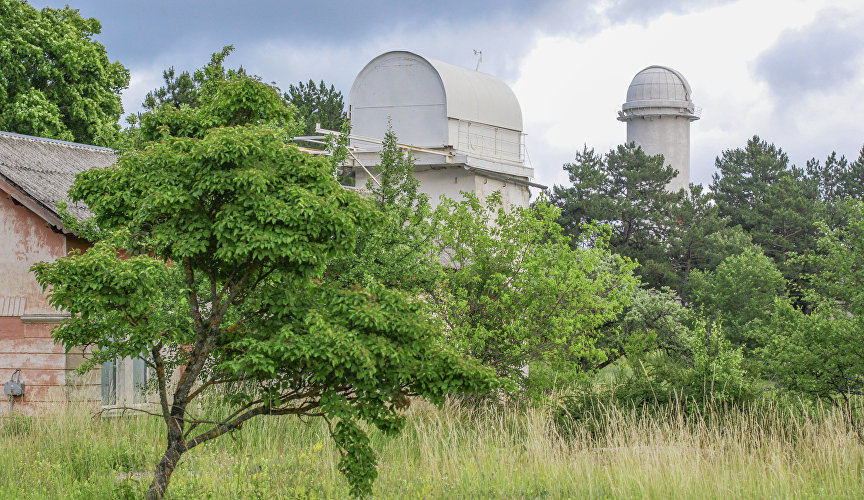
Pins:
x: 452, y: 453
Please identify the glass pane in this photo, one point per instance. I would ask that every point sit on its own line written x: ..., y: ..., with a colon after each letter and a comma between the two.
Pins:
x: 139, y: 380
x: 109, y: 383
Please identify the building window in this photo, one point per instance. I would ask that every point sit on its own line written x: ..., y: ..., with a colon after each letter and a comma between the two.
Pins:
x: 109, y: 383
x: 139, y: 381
x: 124, y: 381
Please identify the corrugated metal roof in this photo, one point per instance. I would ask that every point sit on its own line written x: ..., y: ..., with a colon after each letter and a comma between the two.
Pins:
x: 44, y: 169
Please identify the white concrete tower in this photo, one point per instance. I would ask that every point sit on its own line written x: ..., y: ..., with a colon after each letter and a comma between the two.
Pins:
x: 658, y: 113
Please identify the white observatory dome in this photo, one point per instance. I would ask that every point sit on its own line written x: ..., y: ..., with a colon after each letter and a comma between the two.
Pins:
x: 658, y: 113
x: 420, y: 97
x: 659, y: 87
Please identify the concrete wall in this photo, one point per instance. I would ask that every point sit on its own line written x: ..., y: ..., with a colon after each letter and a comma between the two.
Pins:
x: 666, y: 135
x: 451, y: 181
x: 46, y: 369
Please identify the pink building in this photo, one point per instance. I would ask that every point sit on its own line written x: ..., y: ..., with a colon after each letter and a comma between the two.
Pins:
x: 36, y: 173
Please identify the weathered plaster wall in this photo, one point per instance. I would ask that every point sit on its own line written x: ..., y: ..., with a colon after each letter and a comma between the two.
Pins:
x: 25, y: 239
x: 46, y: 369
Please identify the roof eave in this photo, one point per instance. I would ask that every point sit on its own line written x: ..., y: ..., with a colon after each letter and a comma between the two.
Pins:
x: 32, y: 204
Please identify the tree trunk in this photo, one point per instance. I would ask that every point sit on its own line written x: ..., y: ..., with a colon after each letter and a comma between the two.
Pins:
x: 166, y: 466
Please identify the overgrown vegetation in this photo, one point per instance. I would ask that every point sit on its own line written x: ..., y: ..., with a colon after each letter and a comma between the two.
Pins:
x: 211, y: 238
x: 609, y: 451
x: 706, y: 342
x: 763, y: 273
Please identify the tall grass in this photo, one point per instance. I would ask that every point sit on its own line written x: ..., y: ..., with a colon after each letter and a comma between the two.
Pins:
x: 455, y: 452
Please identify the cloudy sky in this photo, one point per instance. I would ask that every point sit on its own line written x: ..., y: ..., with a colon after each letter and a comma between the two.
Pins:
x: 791, y: 71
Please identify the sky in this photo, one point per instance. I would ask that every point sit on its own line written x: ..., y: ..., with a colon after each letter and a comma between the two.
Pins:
x: 790, y: 71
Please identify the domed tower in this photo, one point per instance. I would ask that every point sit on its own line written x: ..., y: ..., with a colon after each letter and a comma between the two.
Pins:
x: 658, y: 113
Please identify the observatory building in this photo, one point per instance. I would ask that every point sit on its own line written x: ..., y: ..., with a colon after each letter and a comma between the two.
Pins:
x: 463, y: 127
x: 658, y: 113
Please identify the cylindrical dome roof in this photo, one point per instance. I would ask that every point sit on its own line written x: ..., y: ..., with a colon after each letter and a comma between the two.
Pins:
x: 402, y: 78
x: 659, y: 87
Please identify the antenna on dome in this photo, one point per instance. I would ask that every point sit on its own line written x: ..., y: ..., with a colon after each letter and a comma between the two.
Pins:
x: 479, y: 59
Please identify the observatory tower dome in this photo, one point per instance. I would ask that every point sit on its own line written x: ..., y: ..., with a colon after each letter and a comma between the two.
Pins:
x: 658, y: 113
x: 463, y: 127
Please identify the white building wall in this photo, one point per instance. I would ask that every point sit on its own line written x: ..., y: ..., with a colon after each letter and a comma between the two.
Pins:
x: 485, y: 140
x: 666, y: 135
x: 451, y: 181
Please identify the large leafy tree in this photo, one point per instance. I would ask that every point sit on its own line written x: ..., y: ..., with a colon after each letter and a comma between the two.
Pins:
x: 226, y: 230
x: 516, y: 292
x: 55, y: 80
x: 741, y: 290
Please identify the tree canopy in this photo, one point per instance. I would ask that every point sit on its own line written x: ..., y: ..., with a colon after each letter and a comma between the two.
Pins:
x: 56, y: 81
x: 317, y: 104
x: 212, y: 242
x: 625, y: 189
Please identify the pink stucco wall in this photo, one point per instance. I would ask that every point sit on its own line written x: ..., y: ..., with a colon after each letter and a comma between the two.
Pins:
x: 47, y: 370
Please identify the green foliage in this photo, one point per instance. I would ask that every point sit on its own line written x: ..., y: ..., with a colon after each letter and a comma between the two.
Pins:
x: 518, y: 293
x: 655, y: 319
x: 775, y: 203
x: 741, y: 290
x: 185, y: 89
x: 695, y: 224
x: 317, y: 104
x: 818, y: 354
x: 216, y: 233
x: 703, y: 370
x: 627, y: 190
x: 398, y: 249
x: 821, y: 353
x: 57, y: 81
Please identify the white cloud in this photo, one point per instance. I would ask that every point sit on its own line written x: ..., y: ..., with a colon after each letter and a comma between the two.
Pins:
x: 570, y: 64
x: 571, y: 89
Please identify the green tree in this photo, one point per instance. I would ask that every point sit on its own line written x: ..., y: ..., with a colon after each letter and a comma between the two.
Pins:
x: 227, y: 230
x: 740, y: 291
x: 184, y: 89
x: 398, y: 250
x: 837, y: 179
x: 853, y: 178
x: 695, y: 220
x: 627, y: 190
x: 654, y: 320
x: 822, y: 354
x: 818, y: 354
x: 516, y: 292
x: 57, y: 81
x: 774, y: 202
x: 317, y: 104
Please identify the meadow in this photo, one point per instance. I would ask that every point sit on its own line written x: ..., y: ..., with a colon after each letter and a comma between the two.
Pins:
x: 764, y: 451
